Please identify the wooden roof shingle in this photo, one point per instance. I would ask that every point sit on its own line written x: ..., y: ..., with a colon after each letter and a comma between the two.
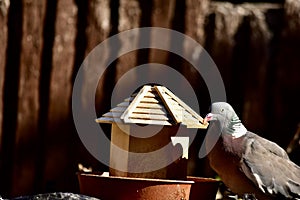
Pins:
x: 154, y: 105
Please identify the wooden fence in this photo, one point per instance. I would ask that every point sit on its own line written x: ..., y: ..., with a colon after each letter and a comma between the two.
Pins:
x: 256, y: 48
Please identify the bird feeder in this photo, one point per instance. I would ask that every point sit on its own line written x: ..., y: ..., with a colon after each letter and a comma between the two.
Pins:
x: 152, y: 109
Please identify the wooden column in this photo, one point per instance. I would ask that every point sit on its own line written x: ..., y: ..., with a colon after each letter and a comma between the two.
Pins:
x: 10, y: 95
x: 58, y: 157
x: 28, y: 106
x: 3, y: 39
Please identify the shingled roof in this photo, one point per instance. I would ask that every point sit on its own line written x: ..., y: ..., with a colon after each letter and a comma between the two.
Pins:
x: 154, y: 105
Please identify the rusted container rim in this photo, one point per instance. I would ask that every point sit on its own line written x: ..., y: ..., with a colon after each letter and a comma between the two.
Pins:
x: 190, y: 179
x: 139, y: 179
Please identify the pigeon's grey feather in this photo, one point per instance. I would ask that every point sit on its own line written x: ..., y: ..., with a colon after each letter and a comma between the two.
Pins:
x: 268, y: 168
x: 249, y: 163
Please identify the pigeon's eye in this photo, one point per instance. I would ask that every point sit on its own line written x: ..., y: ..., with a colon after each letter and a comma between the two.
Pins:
x: 222, y: 109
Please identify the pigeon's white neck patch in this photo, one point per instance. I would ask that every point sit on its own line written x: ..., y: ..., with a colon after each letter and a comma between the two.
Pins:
x: 236, y: 129
x: 239, y: 132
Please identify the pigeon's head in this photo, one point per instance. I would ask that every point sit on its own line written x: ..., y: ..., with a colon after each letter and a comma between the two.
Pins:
x: 223, y: 113
x: 220, y: 111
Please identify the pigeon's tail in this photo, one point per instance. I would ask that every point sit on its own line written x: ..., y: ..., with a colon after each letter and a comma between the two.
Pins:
x: 294, y: 188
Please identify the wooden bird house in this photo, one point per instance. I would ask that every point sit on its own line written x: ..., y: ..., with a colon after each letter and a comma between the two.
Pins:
x: 149, y: 124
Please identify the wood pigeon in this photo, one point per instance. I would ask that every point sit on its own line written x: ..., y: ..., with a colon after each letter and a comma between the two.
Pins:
x: 246, y: 162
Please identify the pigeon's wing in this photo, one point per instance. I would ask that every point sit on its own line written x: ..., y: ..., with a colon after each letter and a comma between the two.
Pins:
x: 266, y: 166
x: 270, y: 146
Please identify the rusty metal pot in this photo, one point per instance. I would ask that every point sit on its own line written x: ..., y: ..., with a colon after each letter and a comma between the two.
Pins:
x: 123, y: 188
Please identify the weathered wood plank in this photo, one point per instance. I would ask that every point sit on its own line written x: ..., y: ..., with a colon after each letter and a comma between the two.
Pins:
x: 149, y: 100
x: 189, y: 119
x: 146, y: 99
x: 102, y: 17
x: 63, y: 52
x: 60, y: 89
x: 129, y: 18
x: 12, y: 34
x: 160, y: 111
x: 195, y: 19
x: 162, y: 16
x: 151, y: 95
x: 108, y: 120
x: 150, y: 106
x: 163, y: 96
x: 130, y: 14
x: 225, y: 20
x: 99, y: 24
x: 3, y: 41
x: 28, y: 105
x: 199, y: 125
x: 145, y: 121
x: 148, y: 116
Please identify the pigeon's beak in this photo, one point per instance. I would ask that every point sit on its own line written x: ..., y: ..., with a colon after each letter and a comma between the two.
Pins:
x: 207, y: 118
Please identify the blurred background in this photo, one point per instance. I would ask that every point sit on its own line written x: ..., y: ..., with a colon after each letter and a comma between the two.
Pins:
x: 256, y: 46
